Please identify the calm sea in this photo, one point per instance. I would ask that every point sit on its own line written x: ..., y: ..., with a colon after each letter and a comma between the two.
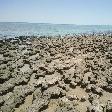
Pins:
x: 10, y: 29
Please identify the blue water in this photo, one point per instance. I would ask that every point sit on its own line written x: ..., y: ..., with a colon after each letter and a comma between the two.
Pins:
x: 17, y: 29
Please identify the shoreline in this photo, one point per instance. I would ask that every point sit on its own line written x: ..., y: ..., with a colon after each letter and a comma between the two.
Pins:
x: 56, y: 74
x: 107, y: 33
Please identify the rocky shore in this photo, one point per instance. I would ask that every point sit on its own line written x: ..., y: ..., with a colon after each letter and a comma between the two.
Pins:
x: 70, y: 74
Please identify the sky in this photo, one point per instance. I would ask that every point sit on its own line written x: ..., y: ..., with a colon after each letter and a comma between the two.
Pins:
x: 80, y: 12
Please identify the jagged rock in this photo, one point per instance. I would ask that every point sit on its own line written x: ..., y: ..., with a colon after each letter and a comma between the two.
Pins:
x: 4, y: 75
x: 109, y: 78
x: 93, y: 97
x: 83, y: 99
x: 49, y: 68
x: 19, y: 63
x: 22, y: 47
x: 3, y: 66
x: 42, y: 67
x: 94, y: 89
x: 16, y: 98
x: 64, y: 86
x: 78, y: 80
x: 12, y: 102
x: 7, y: 96
x: 108, y: 88
x: 1, y: 101
x: 52, y: 79
x: 26, y: 69
x: 44, y: 86
x: 87, y: 76
x: 1, y: 58
x: 88, y: 87
x: 96, y: 107
x: 109, y: 106
x: 7, y: 86
x: 72, y: 97
x: 102, y: 83
x: 85, y: 84
x: 73, y: 84
x: 54, y: 92
x: 39, y: 82
x: 37, y: 93
x: 48, y: 60
x: 97, y: 90
x: 34, y: 57
x: 66, y: 108
x: 40, y: 73
x: 22, y: 79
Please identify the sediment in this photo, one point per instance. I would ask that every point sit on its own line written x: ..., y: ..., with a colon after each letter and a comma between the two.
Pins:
x: 69, y: 74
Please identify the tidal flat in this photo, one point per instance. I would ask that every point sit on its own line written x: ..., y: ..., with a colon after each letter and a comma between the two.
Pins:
x: 44, y: 74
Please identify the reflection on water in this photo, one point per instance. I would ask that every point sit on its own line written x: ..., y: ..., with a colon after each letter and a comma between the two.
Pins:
x: 17, y: 29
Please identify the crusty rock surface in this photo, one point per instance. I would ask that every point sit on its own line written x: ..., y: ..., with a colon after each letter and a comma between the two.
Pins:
x: 48, y: 74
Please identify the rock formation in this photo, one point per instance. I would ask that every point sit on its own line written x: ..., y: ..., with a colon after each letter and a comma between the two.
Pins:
x: 48, y: 74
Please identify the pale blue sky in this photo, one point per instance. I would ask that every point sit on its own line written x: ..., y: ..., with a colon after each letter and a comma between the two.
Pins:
x: 57, y: 11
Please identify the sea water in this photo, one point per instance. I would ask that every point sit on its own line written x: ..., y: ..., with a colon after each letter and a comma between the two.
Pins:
x: 9, y: 29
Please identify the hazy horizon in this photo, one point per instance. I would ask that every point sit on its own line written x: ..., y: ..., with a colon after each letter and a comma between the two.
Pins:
x: 55, y: 23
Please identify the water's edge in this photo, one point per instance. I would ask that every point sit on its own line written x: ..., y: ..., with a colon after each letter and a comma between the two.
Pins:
x: 12, y: 29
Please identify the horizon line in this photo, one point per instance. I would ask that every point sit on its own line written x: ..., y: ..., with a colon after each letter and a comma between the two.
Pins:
x: 53, y: 23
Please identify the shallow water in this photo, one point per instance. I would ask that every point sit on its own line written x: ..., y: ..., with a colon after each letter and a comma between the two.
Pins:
x: 18, y: 28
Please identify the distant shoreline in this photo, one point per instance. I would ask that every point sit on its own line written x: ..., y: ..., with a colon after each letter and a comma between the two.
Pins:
x: 58, y: 23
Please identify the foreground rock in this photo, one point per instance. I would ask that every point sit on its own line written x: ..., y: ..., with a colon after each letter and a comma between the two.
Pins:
x: 70, y: 74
